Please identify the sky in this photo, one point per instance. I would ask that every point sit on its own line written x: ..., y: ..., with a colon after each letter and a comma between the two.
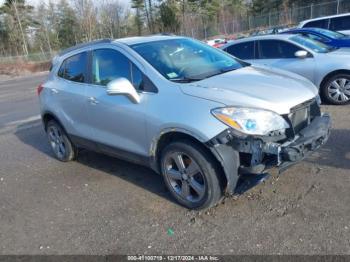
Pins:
x: 36, y: 2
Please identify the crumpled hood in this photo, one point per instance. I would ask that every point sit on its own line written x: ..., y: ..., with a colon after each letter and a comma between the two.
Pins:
x: 255, y: 86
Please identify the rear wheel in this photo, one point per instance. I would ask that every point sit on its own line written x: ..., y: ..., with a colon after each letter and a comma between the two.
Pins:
x: 191, y: 175
x: 61, y: 146
x: 336, y: 90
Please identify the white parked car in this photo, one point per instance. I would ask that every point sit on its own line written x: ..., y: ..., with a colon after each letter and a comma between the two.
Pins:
x: 340, y: 23
x: 326, y: 67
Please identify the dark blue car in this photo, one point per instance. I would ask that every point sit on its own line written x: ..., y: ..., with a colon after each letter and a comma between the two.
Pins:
x: 325, y: 36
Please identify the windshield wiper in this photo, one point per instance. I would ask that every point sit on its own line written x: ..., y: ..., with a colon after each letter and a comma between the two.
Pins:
x: 221, y: 71
x: 185, y: 79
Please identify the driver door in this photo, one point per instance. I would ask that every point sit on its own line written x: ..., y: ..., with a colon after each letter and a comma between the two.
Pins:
x: 281, y: 54
x: 117, y: 124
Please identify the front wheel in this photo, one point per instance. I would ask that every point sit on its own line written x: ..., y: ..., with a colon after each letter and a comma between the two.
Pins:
x: 336, y: 90
x: 191, y: 175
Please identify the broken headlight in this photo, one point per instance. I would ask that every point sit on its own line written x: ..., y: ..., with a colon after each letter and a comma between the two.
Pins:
x: 250, y: 120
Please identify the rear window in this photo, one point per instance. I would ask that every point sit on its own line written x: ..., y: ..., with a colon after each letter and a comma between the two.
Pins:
x: 242, y: 51
x: 74, y: 68
x: 323, y: 23
x: 340, y: 23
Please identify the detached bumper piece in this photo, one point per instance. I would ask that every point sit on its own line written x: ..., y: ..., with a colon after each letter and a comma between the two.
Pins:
x: 310, y: 139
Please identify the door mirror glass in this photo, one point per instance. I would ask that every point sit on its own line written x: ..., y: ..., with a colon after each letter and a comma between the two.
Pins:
x: 122, y: 86
x: 301, y: 54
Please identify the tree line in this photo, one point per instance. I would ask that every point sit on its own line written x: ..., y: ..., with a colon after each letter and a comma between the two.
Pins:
x: 54, y: 25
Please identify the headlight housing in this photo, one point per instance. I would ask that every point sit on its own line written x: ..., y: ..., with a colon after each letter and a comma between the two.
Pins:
x: 250, y: 121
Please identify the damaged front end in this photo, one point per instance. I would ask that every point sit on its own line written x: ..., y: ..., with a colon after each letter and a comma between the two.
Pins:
x: 309, y: 129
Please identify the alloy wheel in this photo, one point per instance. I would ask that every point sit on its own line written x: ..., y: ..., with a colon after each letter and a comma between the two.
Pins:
x: 57, y: 142
x: 185, y: 176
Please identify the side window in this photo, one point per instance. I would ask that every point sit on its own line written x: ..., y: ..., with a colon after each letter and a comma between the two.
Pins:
x: 275, y: 49
x: 340, y: 23
x: 140, y: 81
x: 323, y: 23
x: 243, y: 50
x: 137, y: 78
x: 74, y: 68
x: 107, y: 65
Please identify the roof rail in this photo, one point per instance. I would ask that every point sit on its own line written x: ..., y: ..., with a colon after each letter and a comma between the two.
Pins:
x: 99, y: 41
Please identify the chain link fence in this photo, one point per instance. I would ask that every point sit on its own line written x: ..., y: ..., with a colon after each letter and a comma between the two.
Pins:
x: 34, y: 57
x: 242, y: 25
x: 290, y: 17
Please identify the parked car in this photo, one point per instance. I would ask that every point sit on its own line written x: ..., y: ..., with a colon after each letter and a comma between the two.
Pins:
x: 327, y: 67
x: 340, y: 23
x: 217, y: 42
x: 269, y: 31
x: 325, y: 36
x: 193, y: 113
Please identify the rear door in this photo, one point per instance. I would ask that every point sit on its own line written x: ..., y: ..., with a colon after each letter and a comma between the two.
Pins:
x: 69, y: 94
x: 281, y: 54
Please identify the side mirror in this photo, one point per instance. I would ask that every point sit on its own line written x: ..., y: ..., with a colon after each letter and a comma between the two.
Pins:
x: 301, y: 54
x: 122, y: 86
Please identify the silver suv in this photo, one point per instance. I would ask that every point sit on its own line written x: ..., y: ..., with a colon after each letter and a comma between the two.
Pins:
x: 209, y: 123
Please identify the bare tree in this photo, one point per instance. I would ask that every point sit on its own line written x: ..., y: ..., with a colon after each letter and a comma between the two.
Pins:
x: 87, y: 18
x: 112, y: 13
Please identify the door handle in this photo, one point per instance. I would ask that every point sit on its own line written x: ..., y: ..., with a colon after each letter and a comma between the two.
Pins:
x: 54, y: 91
x: 93, y: 100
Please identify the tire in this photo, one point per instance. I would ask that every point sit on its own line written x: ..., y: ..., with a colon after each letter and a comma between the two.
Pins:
x: 336, y: 90
x: 191, y: 175
x: 61, y: 145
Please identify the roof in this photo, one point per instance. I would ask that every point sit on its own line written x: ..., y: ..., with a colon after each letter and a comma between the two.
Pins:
x: 304, y: 29
x: 127, y: 41
x: 145, y: 39
x: 78, y: 46
x: 324, y: 17
x: 262, y: 37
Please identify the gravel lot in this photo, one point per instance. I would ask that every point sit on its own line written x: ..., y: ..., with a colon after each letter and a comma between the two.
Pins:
x: 101, y: 205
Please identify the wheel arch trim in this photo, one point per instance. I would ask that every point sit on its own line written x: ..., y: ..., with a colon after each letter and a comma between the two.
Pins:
x: 333, y: 73
x: 225, y: 155
x: 47, y: 116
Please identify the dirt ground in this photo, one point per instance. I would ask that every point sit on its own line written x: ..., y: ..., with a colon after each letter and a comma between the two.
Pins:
x: 102, y: 205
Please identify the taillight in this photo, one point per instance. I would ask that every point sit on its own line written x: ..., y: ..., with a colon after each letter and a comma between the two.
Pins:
x: 40, y: 88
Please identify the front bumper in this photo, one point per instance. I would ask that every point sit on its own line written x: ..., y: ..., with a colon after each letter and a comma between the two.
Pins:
x: 266, y: 154
x: 310, y: 139
x: 244, y: 159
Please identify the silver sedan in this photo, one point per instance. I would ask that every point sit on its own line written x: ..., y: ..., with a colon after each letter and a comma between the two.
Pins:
x: 327, y: 67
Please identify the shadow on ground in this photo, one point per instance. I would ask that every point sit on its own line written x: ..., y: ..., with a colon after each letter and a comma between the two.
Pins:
x: 336, y: 152
x: 136, y: 174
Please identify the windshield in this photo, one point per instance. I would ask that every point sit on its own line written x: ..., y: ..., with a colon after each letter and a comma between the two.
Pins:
x: 314, y: 45
x: 186, y: 60
x: 330, y: 34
